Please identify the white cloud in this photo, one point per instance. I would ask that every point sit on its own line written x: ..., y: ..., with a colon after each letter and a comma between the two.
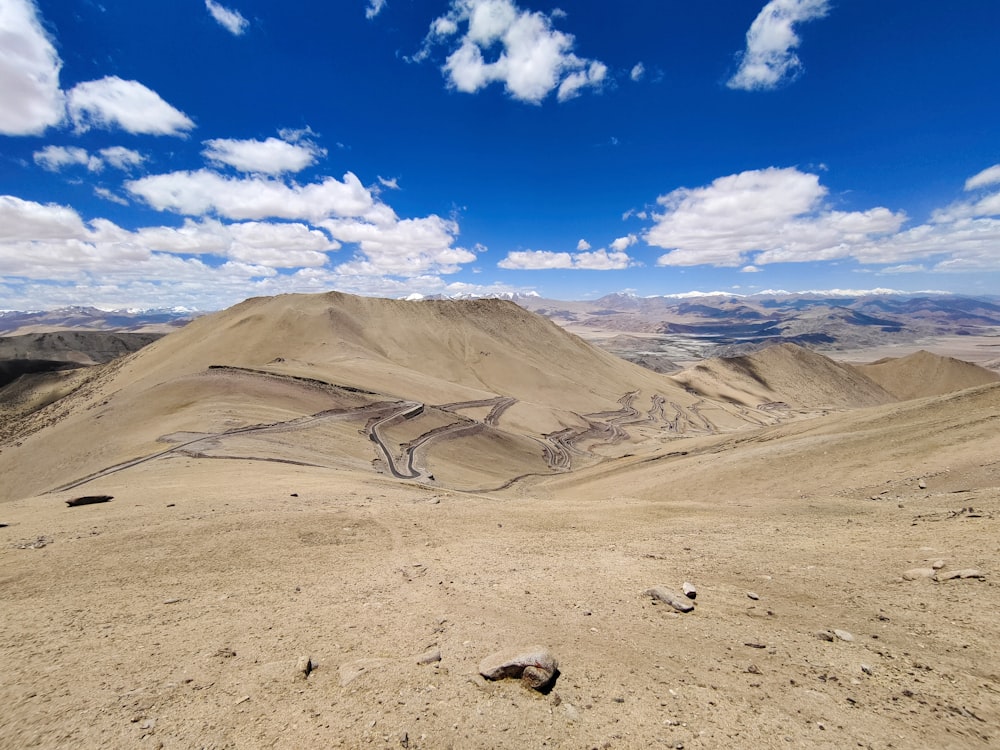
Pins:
x: 582, y: 245
x: 374, y: 8
x: 271, y: 156
x: 22, y: 220
x: 123, y: 158
x: 103, y: 192
x: 624, y: 243
x: 989, y: 176
x: 769, y: 58
x: 203, y: 192
x: 749, y: 269
x: 113, y: 102
x: 389, y: 184
x: 231, y: 20
x: 638, y: 71
x: 29, y: 72
x: 539, y: 260
x: 407, y: 247
x: 54, y: 158
x: 777, y: 213
x: 529, y: 56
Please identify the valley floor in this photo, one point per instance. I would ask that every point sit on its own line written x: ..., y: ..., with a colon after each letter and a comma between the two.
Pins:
x: 175, y: 615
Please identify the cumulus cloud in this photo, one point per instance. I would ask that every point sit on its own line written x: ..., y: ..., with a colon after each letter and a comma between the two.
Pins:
x: 203, y: 191
x: 769, y: 58
x: 638, y: 71
x: 539, y: 260
x: 123, y: 158
x: 231, y: 20
x: 778, y: 214
x: 389, y: 183
x: 29, y: 72
x: 113, y: 102
x: 624, y: 243
x: 22, y: 220
x: 407, y: 247
x: 54, y: 158
x: 583, y: 245
x: 528, y: 55
x: 271, y: 156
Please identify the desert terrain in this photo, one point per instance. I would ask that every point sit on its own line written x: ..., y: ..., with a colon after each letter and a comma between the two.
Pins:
x: 311, y: 517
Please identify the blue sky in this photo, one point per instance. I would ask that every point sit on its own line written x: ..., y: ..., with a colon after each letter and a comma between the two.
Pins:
x: 195, y: 153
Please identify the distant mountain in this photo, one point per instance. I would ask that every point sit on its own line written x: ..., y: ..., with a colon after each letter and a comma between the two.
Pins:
x: 688, y: 326
x: 93, y: 319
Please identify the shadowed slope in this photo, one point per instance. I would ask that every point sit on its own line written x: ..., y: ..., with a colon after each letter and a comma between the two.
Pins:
x: 784, y: 373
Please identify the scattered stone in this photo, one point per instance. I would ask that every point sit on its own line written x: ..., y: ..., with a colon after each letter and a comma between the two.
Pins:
x: 753, y: 644
x: 148, y: 724
x: 225, y: 653
x: 689, y: 590
x: 964, y: 573
x: 922, y: 484
x: 36, y: 543
x: 429, y: 657
x: 753, y: 669
x: 915, y: 574
x: 824, y: 635
x: 534, y: 665
x: 938, y: 564
x: 351, y: 671
x: 171, y: 601
x: 244, y: 699
x: 404, y: 739
x: 866, y: 669
x: 305, y: 666
x: 753, y: 595
x: 843, y: 635
x: 665, y: 595
x: 89, y: 500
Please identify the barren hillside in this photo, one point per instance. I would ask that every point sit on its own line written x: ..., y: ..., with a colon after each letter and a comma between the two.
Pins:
x: 306, y: 521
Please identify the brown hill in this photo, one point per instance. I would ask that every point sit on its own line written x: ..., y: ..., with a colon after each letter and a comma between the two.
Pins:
x: 924, y: 374
x: 252, y: 582
x: 783, y: 374
x: 328, y: 375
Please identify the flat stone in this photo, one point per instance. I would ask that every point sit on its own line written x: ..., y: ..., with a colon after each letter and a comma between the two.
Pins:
x: 665, y: 595
x: 429, y: 657
x: 753, y: 595
x: 689, y: 590
x: 534, y: 665
x: 351, y: 671
x: 915, y: 574
x: 843, y: 635
x: 964, y: 573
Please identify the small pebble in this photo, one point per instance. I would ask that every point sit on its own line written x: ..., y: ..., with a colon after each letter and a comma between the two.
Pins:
x: 753, y: 595
x: 843, y: 635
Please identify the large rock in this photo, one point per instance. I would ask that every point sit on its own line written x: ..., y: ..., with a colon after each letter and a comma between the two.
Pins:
x: 534, y: 665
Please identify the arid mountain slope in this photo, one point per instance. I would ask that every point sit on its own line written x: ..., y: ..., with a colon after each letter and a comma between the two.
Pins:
x: 925, y: 374
x: 293, y: 378
x: 273, y: 507
x: 783, y: 374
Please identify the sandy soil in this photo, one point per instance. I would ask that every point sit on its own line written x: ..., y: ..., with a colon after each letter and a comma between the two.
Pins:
x: 178, y: 614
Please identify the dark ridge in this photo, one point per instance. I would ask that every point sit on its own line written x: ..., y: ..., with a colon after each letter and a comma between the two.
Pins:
x: 12, y: 369
x: 89, y: 500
